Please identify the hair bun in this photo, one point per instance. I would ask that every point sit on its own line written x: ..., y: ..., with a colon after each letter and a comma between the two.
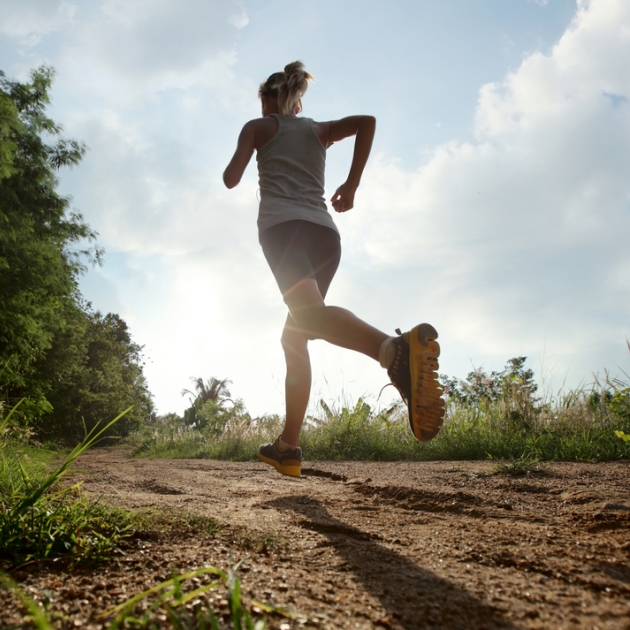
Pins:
x: 288, y: 87
x: 295, y: 69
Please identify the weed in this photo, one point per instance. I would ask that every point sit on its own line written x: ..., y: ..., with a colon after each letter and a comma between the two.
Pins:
x: 525, y: 465
x: 203, y: 524
x: 38, y: 522
x: 192, y: 609
x: 153, y: 523
x: 263, y: 543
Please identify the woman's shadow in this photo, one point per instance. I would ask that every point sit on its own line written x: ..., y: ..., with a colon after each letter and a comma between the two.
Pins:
x: 413, y: 596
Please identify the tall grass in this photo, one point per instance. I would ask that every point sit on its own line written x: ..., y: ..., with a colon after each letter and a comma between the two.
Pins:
x: 509, y: 422
x: 40, y: 521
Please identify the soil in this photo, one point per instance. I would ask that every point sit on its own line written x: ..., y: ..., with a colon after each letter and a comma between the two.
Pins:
x: 368, y: 545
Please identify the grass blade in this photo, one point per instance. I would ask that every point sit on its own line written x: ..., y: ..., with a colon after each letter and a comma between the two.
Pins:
x: 61, y: 470
x: 38, y: 615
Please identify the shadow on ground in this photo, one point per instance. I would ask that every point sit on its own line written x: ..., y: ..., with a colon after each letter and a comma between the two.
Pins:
x: 412, y: 595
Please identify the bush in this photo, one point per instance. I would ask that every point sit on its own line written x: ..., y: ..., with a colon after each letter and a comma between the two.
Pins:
x: 495, y: 416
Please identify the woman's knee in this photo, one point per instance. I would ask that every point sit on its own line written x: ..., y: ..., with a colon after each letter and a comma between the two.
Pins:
x: 294, y: 342
x: 305, y: 301
x: 308, y: 318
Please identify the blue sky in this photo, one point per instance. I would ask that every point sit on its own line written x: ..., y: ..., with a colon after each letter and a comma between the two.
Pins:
x: 496, y: 203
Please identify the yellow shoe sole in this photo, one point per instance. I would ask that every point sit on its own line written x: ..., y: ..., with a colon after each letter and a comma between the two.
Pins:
x: 426, y: 407
x: 291, y: 467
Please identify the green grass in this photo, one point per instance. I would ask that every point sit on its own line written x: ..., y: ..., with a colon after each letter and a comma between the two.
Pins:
x: 16, y: 456
x: 42, y: 521
x: 582, y: 426
x: 183, y: 600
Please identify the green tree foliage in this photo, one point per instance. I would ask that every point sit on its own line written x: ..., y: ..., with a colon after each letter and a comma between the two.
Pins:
x: 70, y: 363
x: 38, y: 268
x: 513, y: 390
x: 92, y: 370
x: 482, y: 388
x: 207, y: 407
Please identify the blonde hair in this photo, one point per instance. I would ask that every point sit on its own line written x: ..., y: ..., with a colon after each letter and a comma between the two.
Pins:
x: 287, y: 87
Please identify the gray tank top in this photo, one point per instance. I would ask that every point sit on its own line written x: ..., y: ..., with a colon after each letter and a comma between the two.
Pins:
x: 291, y: 175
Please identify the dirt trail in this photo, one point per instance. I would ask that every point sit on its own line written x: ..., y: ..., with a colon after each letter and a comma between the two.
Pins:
x: 375, y: 545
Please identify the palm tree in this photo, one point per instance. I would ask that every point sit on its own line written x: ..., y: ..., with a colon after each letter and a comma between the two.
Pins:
x: 212, y: 389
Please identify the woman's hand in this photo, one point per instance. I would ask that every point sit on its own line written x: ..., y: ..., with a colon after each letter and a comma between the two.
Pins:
x: 363, y: 127
x: 343, y: 199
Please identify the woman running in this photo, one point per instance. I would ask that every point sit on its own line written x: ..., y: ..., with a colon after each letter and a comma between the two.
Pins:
x: 302, y: 246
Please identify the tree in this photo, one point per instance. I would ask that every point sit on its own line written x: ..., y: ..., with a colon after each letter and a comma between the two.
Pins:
x: 94, y: 372
x: 512, y: 391
x: 75, y: 367
x: 479, y: 388
x: 212, y: 395
x: 212, y: 389
x: 38, y: 267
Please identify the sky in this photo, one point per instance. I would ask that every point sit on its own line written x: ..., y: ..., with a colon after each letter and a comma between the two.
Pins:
x: 495, y: 205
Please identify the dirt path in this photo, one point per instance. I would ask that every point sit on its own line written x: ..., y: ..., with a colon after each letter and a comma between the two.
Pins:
x: 376, y: 545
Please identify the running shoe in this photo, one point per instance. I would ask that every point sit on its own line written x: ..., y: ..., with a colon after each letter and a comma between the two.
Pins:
x: 414, y: 374
x: 287, y: 462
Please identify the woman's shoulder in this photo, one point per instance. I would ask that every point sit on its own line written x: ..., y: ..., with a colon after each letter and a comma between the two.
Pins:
x: 266, y: 122
x: 262, y: 130
x: 321, y: 129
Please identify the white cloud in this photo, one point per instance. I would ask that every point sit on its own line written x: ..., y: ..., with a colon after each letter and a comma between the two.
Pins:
x: 29, y: 20
x: 518, y: 243
x: 148, y: 44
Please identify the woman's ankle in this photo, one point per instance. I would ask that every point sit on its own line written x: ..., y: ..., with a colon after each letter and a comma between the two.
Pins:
x: 284, y: 445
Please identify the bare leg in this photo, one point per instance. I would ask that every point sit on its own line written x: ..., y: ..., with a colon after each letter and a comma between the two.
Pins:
x: 311, y: 318
x: 297, y: 382
x: 331, y: 323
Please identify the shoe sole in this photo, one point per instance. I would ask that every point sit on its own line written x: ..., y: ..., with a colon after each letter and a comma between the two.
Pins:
x: 292, y: 468
x: 426, y: 407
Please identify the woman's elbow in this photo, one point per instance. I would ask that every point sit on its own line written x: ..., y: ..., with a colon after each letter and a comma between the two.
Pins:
x: 230, y: 180
x: 366, y: 125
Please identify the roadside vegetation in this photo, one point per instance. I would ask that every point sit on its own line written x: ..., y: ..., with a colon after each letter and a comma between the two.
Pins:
x: 41, y: 520
x: 498, y: 416
x: 72, y: 367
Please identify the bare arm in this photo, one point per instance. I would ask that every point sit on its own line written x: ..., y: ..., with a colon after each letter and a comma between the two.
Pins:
x: 243, y: 154
x: 363, y: 127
